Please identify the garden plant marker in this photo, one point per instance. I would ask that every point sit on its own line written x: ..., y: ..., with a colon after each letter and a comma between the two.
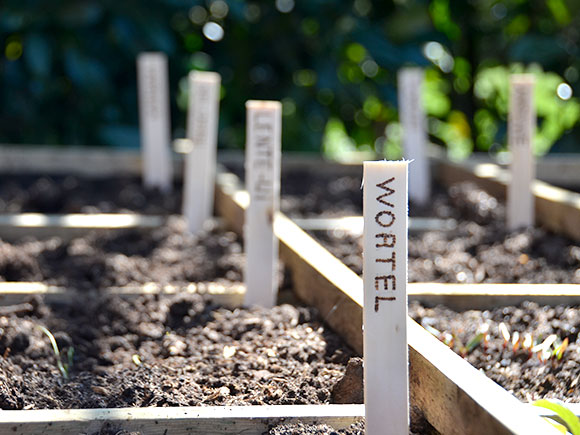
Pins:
x: 154, y: 120
x: 263, y: 142
x: 202, y: 129
x: 413, y: 123
x: 386, y: 357
x: 521, y: 128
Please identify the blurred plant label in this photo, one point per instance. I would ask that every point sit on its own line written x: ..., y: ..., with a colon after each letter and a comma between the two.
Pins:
x: 385, y: 297
x: 202, y: 131
x: 521, y: 129
x: 154, y: 120
x: 413, y: 123
x: 263, y: 143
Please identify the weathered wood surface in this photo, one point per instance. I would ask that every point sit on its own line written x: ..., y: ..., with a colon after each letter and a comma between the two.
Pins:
x: 18, y: 292
x: 455, y: 397
x: 462, y: 297
x: 94, y: 161
x: 458, y: 297
x: 175, y: 421
x: 67, y: 226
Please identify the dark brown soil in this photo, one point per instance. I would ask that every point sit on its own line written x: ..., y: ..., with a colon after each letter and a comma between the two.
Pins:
x: 169, y: 351
x: 73, y: 194
x: 166, y: 351
x: 479, y: 250
x: 516, y: 368
x: 165, y: 255
x: 316, y: 429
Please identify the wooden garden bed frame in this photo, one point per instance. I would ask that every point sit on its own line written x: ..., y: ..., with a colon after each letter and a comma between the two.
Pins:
x: 450, y: 392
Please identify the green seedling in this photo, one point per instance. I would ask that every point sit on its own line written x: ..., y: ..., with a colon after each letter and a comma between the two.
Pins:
x: 543, y: 349
x: 559, y: 350
x: 62, y: 367
x: 480, y: 338
x: 473, y: 343
x: 570, y: 420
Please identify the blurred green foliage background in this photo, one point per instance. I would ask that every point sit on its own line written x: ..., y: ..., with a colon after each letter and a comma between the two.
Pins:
x: 67, y: 68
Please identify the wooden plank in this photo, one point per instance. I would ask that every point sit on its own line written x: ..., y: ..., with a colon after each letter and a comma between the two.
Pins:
x: 414, y: 126
x: 100, y: 162
x: 200, y: 161
x: 228, y: 295
x: 154, y: 120
x: 263, y: 150
x: 462, y: 297
x: 455, y: 397
x: 386, y: 351
x: 521, y: 129
x: 67, y: 226
x: 183, y: 420
x: 459, y: 297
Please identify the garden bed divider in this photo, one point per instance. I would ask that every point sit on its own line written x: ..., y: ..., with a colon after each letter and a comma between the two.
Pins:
x: 210, y: 420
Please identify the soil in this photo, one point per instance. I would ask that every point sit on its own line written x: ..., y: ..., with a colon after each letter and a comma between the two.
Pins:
x: 515, y: 367
x: 73, y: 194
x: 100, y: 259
x: 177, y: 350
x: 166, y: 351
x: 478, y: 250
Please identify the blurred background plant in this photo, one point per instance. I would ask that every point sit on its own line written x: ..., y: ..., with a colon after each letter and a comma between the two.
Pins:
x: 67, y: 70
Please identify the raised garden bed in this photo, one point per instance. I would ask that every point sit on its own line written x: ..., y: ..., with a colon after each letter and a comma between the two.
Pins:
x: 444, y: 387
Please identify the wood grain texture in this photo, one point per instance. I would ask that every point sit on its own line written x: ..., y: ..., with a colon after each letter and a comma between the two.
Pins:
x: 176, y: 421
x: 18, y: 292
x: 14, y: 226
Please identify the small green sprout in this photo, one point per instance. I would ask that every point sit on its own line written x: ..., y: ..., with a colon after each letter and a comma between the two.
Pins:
x: 559, y: 351
x: 473, y: 343
x: 543, y: 349
x: 62, y: 367
x: 570, y: 420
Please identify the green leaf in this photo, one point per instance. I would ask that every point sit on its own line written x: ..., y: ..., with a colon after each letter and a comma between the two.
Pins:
x: 567, y: 416
x: 474, y: 342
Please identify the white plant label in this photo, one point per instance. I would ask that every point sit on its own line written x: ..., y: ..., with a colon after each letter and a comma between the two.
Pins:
x: 263, y: 143
x: 521, y: 129
x: 200, y: 162
x: 154, y: 120
x: 386, y: 357
x: 413, y: 123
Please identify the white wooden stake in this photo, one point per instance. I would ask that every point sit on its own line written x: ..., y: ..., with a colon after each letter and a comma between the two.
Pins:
x: 263, y: 142
x: 413, y: 123
x: 386, y: 357
x: 521, y: 129
x: 202, y: 129
x: 154, y: 120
